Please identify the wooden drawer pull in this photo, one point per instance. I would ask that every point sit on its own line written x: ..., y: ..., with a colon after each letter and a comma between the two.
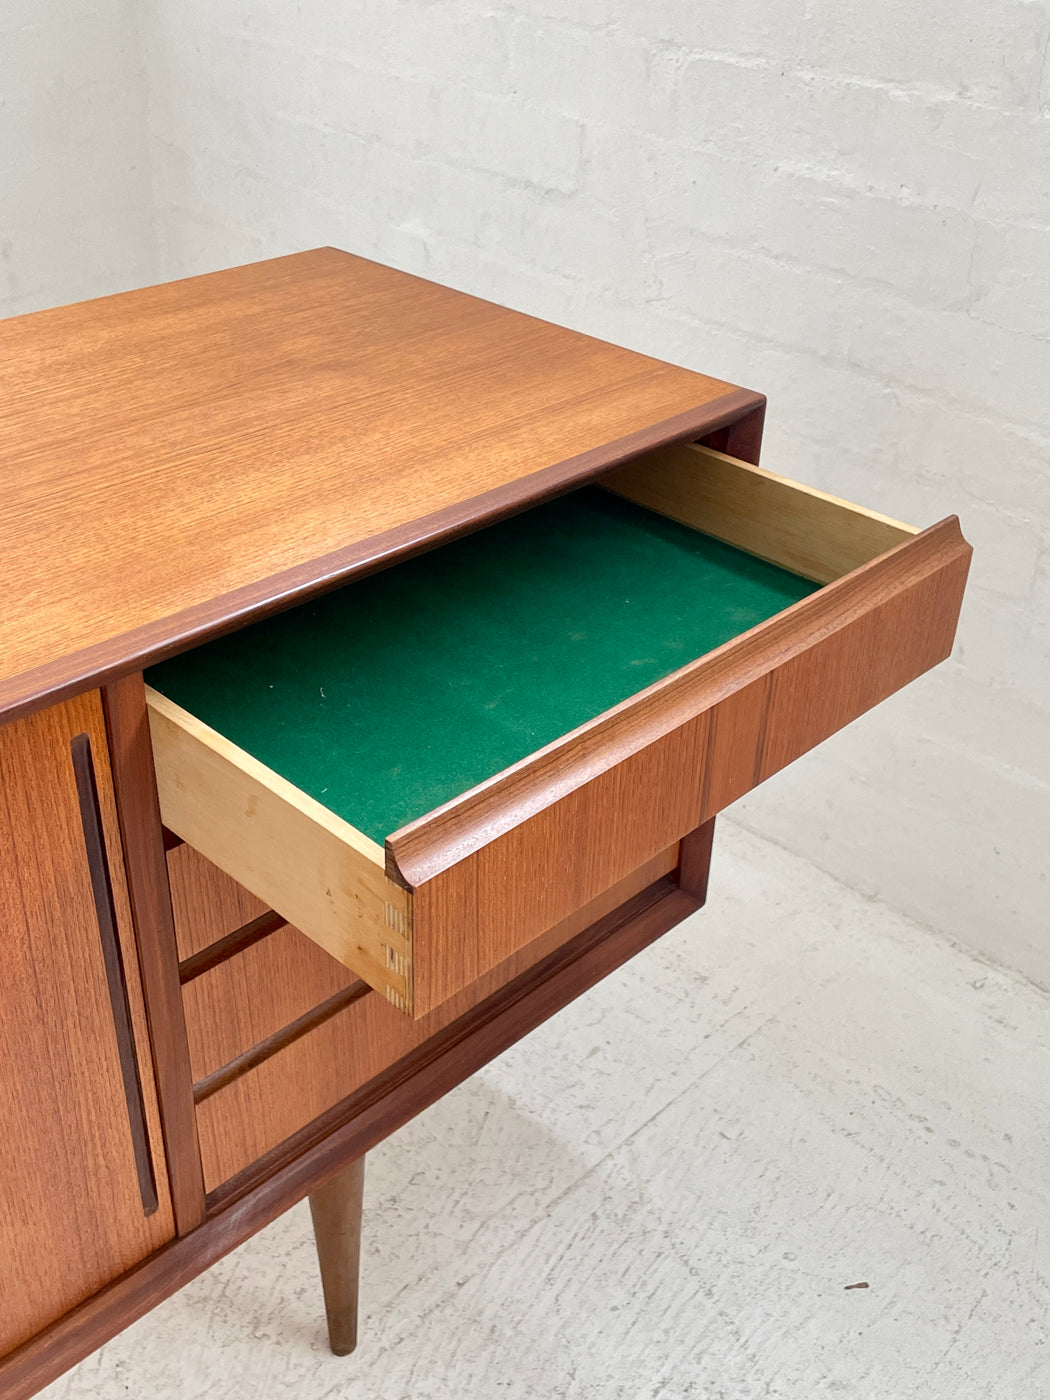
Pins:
x: 113, y: 958
x: 241, y: 1064
x: 229, y: 946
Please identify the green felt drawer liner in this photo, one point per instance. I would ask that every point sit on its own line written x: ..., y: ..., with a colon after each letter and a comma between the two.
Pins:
x: 402, y: 690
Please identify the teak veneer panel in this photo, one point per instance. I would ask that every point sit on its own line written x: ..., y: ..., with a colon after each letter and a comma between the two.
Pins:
x: 734, y: 747
x: 254, y: 993
x: 207, y: 903
x: 870, y: 655
x: 557, y: 860
x: 238, y: 440
x: 257, y: 1112
x: 870, y: 632
x: 71, y: 1213
x: 297, y: 1167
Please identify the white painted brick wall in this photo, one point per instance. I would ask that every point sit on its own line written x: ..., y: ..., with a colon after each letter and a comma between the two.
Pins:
x: 76, y: 209
x: 846, y: 208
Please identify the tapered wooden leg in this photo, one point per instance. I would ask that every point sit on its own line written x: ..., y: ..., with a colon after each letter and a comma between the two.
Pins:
x: 336, y: 1211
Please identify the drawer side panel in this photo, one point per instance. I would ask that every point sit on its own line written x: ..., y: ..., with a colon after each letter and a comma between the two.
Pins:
x: 301, y: 860
x: 797, y: 527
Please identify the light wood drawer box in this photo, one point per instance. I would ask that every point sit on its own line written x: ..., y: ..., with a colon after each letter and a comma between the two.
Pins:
x: 577, y: 687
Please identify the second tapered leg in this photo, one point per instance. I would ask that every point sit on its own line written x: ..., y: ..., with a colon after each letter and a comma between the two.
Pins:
x: 336, y: 1211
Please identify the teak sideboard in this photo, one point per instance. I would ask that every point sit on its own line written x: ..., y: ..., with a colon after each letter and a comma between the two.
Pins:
x: 374, y: 661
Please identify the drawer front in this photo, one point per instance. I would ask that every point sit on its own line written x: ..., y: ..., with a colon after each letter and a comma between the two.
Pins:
x: 734, y: 746
x: 894, y: 636
x: 457, y: 892
x: 551, y: 863
x: 253, y: 995
x: 260, y: 1109
x: 498, y: 862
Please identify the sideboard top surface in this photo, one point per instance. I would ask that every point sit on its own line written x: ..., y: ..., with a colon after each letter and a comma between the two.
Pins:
x: 180, y: 459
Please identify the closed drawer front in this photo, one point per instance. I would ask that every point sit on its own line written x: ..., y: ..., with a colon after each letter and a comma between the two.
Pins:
x: 258, y: 1110
x: 238, y: 993
x: 429, y: 768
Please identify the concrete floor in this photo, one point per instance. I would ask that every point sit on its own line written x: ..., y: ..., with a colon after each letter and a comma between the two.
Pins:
x: 665, y: 1191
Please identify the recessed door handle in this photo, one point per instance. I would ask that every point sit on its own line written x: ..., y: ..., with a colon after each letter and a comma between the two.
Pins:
x: 112, y: 956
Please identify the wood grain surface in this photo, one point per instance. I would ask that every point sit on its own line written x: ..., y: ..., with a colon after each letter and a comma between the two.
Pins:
x: 280, y: 1040
x: 797, y: 527
x: 694, y: 860
x: 351, y: 1128
x: 207, y: 904
x: 672, y: 754
x: 734, y: 746
x: 462, y: 889
x: 557, y: 860
x: 445, y: 837
x: 877, y: 651
x: 303, y: 860
x: 335, y: 1209
x: 742, y: 438
x: 258, y: 1111
x: 241, y: 439
x: 250, y: 997
x: 71, y: 1213
x: 239, y: 941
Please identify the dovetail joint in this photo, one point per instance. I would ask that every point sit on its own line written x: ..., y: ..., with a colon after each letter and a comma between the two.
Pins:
x: 395, y: 918
x: 396, y: 961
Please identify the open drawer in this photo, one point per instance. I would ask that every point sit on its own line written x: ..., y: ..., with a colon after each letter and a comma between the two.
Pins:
x: 430, y: 767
